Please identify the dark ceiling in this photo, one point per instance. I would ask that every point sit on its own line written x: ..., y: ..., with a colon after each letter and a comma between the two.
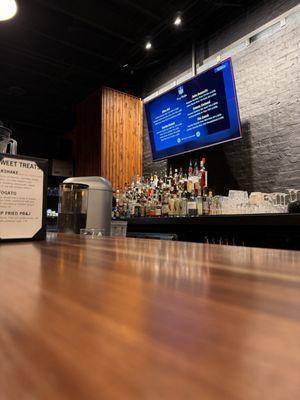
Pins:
x: 55, y: 52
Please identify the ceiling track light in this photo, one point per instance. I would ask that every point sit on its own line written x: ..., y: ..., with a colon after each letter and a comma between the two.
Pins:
x: 178, y: 19
x: 8, y: 9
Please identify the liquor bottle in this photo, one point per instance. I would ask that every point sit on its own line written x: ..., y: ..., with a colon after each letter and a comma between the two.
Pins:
x: 205, y: 202
x: 190, y: 171
x: 131, y: 206
x: 158, y: 208
x: 180, y: 175
x: 171, y: 206
x: 176, y: 206
x: 125, y: 206
x: 165, y: 206
x: 183, y: 205
x: 137, y: 208
x: 147, y: 207
x: 196, y: 169
x: 209, y: 202
x: 172, y: 187
x: 161, y: 183
x: 199, y: 201
x: 203, y: 174
x: 155, y: 180
x: 170, y: 177
x: 176, y: 177
x: 149, y: 190
x: 192, y: 206
x: 143, y: 207
x: 166, y: 179
x: 152, y: 211
x: 197, y: 186
x: 185, y: 180
x: 190, y: 184
x: 138, y: 184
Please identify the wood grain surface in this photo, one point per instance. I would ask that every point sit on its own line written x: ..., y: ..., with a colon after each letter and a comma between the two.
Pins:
x: 117, y: 318
x: 121, y: 136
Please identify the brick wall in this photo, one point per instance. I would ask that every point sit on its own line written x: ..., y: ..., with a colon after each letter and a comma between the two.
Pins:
x: 267, y: 75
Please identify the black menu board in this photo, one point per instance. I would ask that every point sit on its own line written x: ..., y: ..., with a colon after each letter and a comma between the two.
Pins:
x: 23, y: 186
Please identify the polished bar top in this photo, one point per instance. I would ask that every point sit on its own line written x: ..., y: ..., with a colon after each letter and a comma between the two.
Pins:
x: 117, y: 318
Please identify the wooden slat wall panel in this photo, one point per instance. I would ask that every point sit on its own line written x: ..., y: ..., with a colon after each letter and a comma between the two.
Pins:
x: 121, y: 136
x: 88, y: 136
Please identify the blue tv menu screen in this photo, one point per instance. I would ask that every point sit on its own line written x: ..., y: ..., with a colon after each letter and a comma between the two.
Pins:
x: 199, y: 113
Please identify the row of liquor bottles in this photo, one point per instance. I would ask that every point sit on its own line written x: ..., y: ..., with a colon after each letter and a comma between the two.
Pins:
x: 176, y: 194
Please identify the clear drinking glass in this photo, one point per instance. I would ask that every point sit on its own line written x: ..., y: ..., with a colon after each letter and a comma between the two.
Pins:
x: 225, y: 205
x: 216, y: 205
x: 279, y: 201
x: 238, y: 196
x: 92, y: 232
x: 72, y: 207
x: 294, y: 195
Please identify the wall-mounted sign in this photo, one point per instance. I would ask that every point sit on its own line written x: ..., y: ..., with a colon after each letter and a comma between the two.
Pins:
x: 22, y: 197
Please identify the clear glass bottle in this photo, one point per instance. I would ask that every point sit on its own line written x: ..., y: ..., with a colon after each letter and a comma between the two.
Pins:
x: 205, y: 202
x: 192, y: 206
x: 203, y: 174
x: 176, y: 177
x: 158, y: 207
x: 190, y: 171
x: 147, y: 207
x: 190, y: 185
x: 152, y: 211
x: 131, y: 206
x: 171, y: 206
x: 199, y: 201
x: 209, y: 202
x: 165, y: 206
x: 176, y: 206
x: 183, y: 205
x: 180, y: 174
x: 196, y: 169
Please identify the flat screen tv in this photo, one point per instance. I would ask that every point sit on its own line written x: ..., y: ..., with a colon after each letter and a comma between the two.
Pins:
x: 200, y: 112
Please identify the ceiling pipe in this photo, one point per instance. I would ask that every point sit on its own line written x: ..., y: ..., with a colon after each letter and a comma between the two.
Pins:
x: 194, y: 61
x: 91, y: 22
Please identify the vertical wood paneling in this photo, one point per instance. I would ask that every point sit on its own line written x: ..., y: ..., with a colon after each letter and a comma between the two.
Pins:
x: 121, y: 136
x: 108, y: 136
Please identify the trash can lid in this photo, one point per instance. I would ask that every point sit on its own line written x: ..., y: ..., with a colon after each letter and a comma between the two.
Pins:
x: 93, y: 182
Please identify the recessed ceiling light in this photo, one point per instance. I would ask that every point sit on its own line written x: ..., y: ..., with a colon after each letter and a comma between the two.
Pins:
x: 178, y: 20
x: 148, y: 45
x: 8, y: 9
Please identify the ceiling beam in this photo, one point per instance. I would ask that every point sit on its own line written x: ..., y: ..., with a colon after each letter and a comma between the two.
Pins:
x: 137, y: 47
x: 45, y: 127
x: 78, y: 15
x: 46, y: 59
x: 50, y: 78
x: 157, y: 30
x: 224, y: 3
x: 139, y: 8
x: 66, y: 43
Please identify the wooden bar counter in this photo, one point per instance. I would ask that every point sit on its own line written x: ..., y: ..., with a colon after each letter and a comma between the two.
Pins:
x: 117, y: 318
